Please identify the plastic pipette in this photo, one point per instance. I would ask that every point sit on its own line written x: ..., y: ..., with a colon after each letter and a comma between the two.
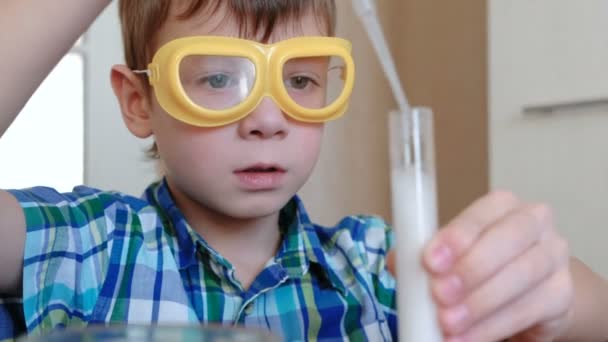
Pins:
x: 366, y: 10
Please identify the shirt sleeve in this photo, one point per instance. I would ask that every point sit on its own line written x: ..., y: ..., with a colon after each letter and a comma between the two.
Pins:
x: 66, y: 256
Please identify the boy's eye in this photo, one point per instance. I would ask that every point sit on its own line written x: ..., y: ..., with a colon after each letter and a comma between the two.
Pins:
x: 300, y: 82
x: 216, y: 81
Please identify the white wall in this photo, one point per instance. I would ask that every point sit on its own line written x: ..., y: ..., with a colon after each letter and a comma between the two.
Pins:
x: 545, y: 52
x: 114, y: 159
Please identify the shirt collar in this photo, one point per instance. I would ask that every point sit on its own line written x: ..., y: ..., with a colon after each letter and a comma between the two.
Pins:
x: 300, y: 247
x: 175, y: 224
x: 311, y: 255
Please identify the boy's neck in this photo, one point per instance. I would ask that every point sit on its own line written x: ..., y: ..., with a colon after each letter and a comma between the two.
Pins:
x: 248, y: 244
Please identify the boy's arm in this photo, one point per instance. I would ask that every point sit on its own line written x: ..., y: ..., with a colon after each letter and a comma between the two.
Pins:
x: 590, y: 308
x: 34, y: 36
x: 12, y: 240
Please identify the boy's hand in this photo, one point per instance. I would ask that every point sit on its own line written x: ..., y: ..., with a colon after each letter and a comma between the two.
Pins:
x: 500, y: 270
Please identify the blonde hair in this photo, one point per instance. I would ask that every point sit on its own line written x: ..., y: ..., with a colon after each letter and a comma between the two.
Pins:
x: 142, y: 19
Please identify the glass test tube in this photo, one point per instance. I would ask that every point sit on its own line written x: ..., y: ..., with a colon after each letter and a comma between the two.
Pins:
x: 414, y: 220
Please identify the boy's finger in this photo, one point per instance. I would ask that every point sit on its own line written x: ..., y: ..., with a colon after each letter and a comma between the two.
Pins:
x: 455, y: 238
x: 524, y: 274
x: 546, y: 304
x: 504, y: 242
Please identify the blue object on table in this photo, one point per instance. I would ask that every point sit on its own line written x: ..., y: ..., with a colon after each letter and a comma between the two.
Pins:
x: 12, y: 322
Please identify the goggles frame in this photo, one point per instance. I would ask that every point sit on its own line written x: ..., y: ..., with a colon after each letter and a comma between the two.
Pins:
x: 268, y: 59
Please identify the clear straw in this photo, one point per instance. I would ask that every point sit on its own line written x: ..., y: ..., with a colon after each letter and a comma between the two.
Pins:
x: 367, y: 13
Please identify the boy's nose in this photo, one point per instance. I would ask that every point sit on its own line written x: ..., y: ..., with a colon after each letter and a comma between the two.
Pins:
x: 265, y: 122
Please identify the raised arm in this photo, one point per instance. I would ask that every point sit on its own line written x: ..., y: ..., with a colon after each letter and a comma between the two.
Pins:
x: 34, y: 36
x: 12, y: 240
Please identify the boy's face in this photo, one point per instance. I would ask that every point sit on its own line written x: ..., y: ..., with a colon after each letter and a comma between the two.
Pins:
x: 246, y: 169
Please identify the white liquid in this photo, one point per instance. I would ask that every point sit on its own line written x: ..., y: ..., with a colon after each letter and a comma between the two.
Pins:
x: 414, y: 223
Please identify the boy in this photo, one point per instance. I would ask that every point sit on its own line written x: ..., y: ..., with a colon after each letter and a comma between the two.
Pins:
x: 222, y: 239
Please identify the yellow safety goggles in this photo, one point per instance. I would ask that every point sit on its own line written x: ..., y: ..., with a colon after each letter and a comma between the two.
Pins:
x: 211, y: 81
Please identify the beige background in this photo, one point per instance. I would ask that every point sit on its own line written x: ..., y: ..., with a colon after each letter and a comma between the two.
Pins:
x: 440, y: 50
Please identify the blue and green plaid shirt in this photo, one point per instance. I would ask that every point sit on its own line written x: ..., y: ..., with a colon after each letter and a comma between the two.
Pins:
x: 104, y: 257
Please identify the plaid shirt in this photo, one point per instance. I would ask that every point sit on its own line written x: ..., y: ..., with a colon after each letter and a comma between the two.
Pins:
x: 104, y: 257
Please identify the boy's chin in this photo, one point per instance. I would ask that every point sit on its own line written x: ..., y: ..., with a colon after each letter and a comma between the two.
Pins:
x: 260, y: 207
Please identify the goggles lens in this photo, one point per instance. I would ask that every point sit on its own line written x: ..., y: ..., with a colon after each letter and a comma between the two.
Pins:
x: 223, y: 82
x: 217, y: 82
x: 314, y: 82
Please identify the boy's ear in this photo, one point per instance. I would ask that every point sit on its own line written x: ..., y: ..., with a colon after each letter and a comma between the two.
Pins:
x: 133, y: 101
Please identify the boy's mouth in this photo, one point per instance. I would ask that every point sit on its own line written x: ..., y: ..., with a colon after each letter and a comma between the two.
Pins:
x: 261, y: 168
x: 260, y: 177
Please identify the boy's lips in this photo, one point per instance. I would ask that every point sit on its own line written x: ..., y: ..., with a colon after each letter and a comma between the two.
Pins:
x: 261, y: 167
x: 260, y: 176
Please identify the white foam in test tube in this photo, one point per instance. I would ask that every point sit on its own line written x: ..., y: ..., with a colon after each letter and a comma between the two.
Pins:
x: 414, y: 221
